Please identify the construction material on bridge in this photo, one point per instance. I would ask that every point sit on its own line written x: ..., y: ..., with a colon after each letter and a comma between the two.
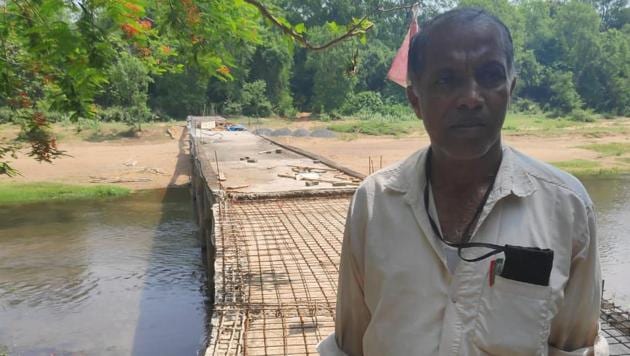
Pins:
x: 615, y: 323
x: 273, y: 243
x: 277, y: 280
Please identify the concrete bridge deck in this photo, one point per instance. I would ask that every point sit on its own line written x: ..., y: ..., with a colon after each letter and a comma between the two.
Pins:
x: 273, y: 246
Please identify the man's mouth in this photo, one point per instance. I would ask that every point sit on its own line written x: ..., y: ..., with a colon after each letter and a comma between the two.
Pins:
x: 467, y: 125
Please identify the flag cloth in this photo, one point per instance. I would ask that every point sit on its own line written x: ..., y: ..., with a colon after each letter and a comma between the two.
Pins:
x: 398, y: 71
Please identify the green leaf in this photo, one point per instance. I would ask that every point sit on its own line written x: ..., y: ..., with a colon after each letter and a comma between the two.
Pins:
x: 333, y: 27
x: 300, y: 28
x: 363, y: 39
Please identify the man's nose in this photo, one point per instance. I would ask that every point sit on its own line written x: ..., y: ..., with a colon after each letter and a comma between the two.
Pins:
x: 470, y: 96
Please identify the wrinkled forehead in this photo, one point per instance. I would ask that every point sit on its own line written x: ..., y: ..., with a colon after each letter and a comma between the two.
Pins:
x: 457, y: 44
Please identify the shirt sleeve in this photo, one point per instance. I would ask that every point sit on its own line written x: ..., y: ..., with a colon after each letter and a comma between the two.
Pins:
x: 575, y: 328
x: 352, y: 315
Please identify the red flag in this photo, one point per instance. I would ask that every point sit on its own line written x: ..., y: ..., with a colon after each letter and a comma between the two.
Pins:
x: 398, y: 71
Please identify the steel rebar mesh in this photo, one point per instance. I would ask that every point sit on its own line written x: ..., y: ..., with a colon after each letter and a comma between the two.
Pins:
x: 277, y: 263
x: 615, y: 325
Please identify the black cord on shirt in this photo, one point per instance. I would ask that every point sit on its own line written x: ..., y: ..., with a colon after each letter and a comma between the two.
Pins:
x: 496, y: 249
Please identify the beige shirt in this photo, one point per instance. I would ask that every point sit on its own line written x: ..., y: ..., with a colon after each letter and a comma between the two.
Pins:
x: 397, y: 296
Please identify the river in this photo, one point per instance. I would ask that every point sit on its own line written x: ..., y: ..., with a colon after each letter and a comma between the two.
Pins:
x: 115, y: 277
x: 611, y: 196
x: 126, y: 277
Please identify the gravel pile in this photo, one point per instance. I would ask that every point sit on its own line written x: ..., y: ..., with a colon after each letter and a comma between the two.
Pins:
x: 263, y: 131
x: 301, y: 133
x: 281, y: 132
x: 322, y: 133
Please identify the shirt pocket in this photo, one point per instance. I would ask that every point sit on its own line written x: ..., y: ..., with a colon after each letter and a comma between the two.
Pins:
x: 513, y: 318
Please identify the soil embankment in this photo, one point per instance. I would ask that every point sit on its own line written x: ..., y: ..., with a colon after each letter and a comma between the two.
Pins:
x: 152, y: 160
x: 355, y: 154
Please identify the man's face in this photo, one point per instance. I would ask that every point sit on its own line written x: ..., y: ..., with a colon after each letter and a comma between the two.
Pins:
x: 463, y: 92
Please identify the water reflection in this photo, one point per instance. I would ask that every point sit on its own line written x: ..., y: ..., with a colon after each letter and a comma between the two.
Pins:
x: 611, y: 196
x: 102, y: 278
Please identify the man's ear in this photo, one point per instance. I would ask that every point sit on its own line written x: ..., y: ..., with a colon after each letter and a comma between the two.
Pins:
x: 414, y: 100
x: 513, y: 85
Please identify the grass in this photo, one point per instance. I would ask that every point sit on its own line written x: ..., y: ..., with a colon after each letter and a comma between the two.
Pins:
x: 586, y: 167
x: 269, y: 122
x: 515, y: 124
x: 609, y: 149
x: 535, y: 123
x: 376, y: 127
x: 21, y: 193
x: 539, y: 125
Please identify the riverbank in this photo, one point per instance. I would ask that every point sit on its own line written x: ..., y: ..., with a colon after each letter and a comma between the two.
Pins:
x: 24, y: 193
x: 158, y: 156
x: 109, y: 154
x: 598, y: 148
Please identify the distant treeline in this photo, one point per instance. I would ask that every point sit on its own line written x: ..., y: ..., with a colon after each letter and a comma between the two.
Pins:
x: 570, y: 56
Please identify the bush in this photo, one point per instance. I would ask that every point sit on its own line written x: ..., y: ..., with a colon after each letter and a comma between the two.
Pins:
x: 113, y: 114
x: 563, y: 96
x: 525, y: 106
x: 56, y: 116
x: 6, y: 115
x: 285, y: 106
x: 367, y: 101
x: 132, y: 116
x: 399, y: 111
x: 89, y: 124
x: 289, y: 113
x: 9, y: 116
x: 254, y: 99
x: 232, y: 108
x: 582, y: 116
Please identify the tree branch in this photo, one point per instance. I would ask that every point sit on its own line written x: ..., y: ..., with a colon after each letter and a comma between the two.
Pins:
x: 355, y: 30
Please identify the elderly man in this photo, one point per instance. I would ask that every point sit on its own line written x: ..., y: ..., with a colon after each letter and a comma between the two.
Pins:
x: 467, y: 247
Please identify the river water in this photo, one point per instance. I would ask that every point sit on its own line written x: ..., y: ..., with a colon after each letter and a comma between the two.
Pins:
x: 113, y: 277
x: 611, y: 196
x: 126, y: 277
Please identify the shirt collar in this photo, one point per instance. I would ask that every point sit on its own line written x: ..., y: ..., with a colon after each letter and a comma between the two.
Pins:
x: 512, y: 178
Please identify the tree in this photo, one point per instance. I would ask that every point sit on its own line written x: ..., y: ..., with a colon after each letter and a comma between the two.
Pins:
x: 68, y: 46
x: 563, y: 98
x: 128, y: 84
x: 333, y: 74
x: 253, y: 99
x: 272, y: 63
x: 176, y: 95
x: 614, y: 13
x: 612, y: 75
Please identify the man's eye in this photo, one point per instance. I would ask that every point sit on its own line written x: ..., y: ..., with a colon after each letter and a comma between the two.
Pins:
x: 491, y: 77
x: 443, y: 80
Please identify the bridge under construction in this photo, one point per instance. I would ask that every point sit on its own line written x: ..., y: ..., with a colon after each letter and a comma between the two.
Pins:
x: 271, y: 219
